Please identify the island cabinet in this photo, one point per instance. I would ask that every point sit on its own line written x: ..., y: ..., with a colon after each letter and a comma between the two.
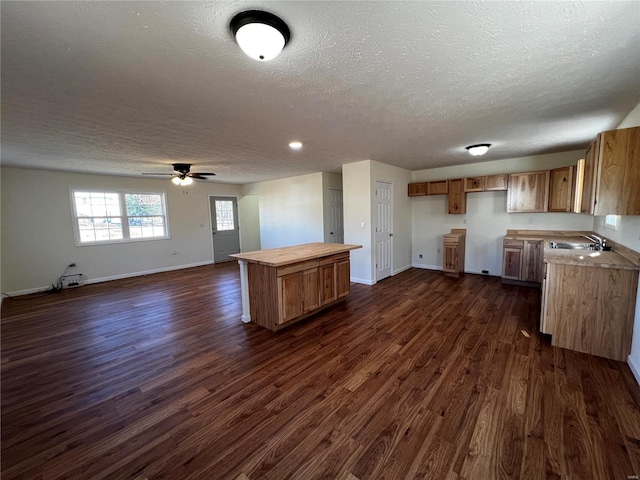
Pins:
x: 283, y: 285
x: 612, y: 174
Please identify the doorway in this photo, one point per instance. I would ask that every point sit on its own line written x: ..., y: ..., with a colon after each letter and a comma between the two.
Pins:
x: 384, y: 229
x: 225, y: 231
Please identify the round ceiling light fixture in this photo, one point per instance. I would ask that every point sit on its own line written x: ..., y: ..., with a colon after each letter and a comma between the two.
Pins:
x: 261, y: 35
x: 479, y: 149
x: 182, y: 180
x: 295, y: 145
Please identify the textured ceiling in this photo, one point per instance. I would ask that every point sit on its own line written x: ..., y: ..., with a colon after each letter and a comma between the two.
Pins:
x: 130, y: 87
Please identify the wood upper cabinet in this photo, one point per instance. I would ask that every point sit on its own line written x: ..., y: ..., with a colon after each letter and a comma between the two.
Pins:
x: 453, y: 252
x: 561, y: 189
x: 457, y: 196
x: 496, y: 182
x: 474, y: 184
x: 440, y: 187
x: 528, y: 192
x: 417, y: 189
x: 612, y: 174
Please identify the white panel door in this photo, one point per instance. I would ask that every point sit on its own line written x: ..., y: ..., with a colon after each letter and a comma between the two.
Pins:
x: 384, y: 229
x: 336, y: 218
x: 225, y: 230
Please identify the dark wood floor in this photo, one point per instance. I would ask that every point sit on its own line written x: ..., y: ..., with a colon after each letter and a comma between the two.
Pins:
x: 420, y: 376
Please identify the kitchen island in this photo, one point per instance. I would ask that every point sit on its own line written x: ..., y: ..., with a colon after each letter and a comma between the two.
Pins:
x: 283, y: 285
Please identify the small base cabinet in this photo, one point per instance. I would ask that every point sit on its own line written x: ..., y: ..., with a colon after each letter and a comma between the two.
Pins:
x: 522, y: 261
x: 453, y: 253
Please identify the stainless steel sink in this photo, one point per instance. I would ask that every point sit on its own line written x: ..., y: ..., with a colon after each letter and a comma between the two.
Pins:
x: 574, y: 246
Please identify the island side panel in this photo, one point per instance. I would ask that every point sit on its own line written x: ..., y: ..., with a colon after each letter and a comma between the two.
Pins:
x: 263, y: 295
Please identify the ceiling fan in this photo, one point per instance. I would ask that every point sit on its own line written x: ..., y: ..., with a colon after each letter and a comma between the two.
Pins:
x: 182, y: 174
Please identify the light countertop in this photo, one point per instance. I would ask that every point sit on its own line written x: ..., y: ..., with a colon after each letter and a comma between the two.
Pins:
x: 277, y: 257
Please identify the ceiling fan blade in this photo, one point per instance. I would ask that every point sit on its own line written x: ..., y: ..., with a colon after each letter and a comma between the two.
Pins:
x: 199, y: 175
x: 157, y: 174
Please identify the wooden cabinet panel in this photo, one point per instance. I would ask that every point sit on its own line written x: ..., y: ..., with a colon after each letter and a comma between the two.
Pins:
x: 589, y: 180
x: 590, y: 309
x: 561, y: 189
x: 311, y: 289
x: 511, y: 263
x: 417, y: 189
x: 496, y: 182
x: 438, y: 188
x: 343, y: 278
x: 457, y: 196
x: 474, y: 184
x: 328, y: 292
x: 532, y: 261
x: 528, y: 192
x: 290, y: 288
x: 453, y: 252
x: 545, y: 324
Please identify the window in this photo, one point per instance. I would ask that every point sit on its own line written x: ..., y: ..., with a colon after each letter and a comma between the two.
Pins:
x: 611, y: 222
x: 106, y: 217
x: 224, y: 215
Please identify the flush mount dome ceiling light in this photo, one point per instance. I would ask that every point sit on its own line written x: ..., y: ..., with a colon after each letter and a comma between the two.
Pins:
x: 261, y: 35
x: 479, y: 149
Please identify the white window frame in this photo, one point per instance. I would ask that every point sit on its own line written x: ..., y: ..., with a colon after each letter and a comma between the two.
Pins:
x: 611, y: 222
x: 125, y: 218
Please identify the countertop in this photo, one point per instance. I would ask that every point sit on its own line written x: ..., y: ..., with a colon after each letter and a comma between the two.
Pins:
x: 277, y: 257
x: 587, y: 258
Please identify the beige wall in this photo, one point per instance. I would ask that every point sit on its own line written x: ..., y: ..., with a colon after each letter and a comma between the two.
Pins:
x: 37, y: 234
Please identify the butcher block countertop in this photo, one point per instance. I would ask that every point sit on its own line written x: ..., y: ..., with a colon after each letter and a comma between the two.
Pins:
x: 277, y: 257
x: 587, y: 258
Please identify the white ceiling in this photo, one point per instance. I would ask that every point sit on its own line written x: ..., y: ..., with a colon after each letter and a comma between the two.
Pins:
x: 130, y: 87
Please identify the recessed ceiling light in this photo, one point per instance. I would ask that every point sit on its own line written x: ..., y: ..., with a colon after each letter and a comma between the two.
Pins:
x: 261, y: 35
x: 479, y: 149
x: 295, y: 145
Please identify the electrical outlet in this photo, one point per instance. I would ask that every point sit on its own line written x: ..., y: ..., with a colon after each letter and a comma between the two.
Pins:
x: 438, y: 250
x: 71, y: 265
x: 74, y: 280
x: 175, y: 252
x: 420, y: 256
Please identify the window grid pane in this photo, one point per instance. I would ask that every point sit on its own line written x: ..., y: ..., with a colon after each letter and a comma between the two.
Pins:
x: 224, y: 215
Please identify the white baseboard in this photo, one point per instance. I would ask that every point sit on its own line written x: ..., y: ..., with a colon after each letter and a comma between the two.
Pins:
x: 362, y: 281
x: 29, y: 291
x: 427, y: 267
x: 635, y: 369
x: 401, y: 269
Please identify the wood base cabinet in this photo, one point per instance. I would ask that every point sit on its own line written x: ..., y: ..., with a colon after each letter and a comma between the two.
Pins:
x: 522, y: 261
x: 453, y: 253
x: 589, y: 309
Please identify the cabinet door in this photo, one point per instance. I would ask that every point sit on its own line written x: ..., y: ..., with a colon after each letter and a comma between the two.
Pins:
x: 417, y: 189
x: 450, y: 260
x: 545, y: 325
x: 311, y: 289
x: 290, y: 289
x: 474, y: 184
x: 343, y: 275
x: 328, y: 291
x: 438, y: 188
x: 496, y: 182
x: 528, y: 192
x: 457, y: 196
x: 589, y: 179
x: 618, y: 173
x: 532, y: 261
x: 561, y: 189
x: 511, y: 263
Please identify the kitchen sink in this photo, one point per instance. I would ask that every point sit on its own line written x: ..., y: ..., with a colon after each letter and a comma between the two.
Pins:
x: 574, y: 246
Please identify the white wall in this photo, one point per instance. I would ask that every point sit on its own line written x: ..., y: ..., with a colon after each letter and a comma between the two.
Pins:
x: 627, y: 234
x: 249, y: 216
x: 486, y: 219
x: 358, y: 180
x: 37, y: 234
x: 291, y: 210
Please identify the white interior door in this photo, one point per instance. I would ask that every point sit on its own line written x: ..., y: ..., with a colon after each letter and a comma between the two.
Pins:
x: 384, y: 232
x: 225, y: 230
x: 336, y: 218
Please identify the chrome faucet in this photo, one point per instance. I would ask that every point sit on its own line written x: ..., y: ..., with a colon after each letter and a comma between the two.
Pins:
x: 599, y: 240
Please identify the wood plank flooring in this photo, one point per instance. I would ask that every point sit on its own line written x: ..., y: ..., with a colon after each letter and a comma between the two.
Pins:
x: 419, y: 376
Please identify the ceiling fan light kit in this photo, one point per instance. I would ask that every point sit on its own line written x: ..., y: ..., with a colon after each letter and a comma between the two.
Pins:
x: 182, y: 174
x: 261, y: 35
x: 479, y: 149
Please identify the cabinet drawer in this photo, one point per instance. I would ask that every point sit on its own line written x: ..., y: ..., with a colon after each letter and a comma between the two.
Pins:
x: 507, y: 242
x: 297, y: 267
x: 334, y: 258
